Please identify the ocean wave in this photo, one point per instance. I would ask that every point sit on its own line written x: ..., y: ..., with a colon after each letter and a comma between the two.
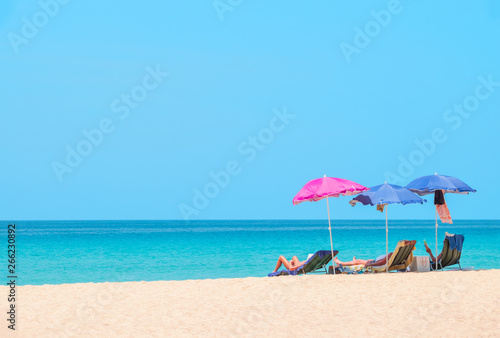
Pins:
x: 148, y: 230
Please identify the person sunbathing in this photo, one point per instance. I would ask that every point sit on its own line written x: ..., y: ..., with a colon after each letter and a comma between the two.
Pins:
x: 294, y: 264
x: 380, y: 260
x: 429, y: 251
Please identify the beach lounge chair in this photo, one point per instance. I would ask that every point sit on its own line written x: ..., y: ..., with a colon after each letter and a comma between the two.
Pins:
x: 317, y: 261
x: 401, y: 258
x: 452, y: 251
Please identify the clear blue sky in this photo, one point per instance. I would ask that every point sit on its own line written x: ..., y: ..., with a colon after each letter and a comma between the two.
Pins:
x: 272, y: 93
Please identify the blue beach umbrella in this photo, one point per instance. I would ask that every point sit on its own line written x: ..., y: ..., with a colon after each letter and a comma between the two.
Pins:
x: 429, y: 184
x: 385, y: 194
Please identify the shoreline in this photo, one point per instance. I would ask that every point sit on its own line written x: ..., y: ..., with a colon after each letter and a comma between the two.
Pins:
x: 449, y: 303
x: 464, y: 269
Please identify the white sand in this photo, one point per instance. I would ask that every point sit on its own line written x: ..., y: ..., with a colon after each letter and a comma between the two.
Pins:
x: 398, y: 304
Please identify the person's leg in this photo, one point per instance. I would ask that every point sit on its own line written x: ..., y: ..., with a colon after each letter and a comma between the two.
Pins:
x: 380, y: 262
x: 353, y: 262
x: 429, y: 251
x: 295, y: 261
x: 282, y: 260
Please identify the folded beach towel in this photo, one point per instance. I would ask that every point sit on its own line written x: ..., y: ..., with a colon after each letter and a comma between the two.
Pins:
x: 378, y: 268
x: 353, y: 268
x: 456, y: 241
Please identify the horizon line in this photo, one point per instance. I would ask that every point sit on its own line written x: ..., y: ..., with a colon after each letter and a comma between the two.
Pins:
x: 258, y: 219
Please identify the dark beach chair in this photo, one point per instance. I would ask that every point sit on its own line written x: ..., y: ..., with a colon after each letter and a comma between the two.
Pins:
x: 452, y: 251
x: 317, y: 261
x: 401, y: 258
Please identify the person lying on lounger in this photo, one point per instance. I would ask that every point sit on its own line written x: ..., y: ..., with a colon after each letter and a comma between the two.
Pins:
x: 294, y: 264
x: 380, y: 260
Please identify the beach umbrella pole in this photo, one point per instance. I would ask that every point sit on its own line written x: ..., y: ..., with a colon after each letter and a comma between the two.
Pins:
x: 386, y: 241
x: 436, y: 240
x: 330, y: 229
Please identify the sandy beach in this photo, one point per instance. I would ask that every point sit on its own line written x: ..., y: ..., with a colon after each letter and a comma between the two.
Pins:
x: 454, y: 303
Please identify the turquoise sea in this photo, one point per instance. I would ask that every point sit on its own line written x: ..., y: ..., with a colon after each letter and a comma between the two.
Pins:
x: 57, y: 252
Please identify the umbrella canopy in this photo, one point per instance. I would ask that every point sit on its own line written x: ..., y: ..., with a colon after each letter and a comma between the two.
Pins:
x: 325, y: 187
x: 428, y: 184
x: 431, y: 183
x: 387, y: 194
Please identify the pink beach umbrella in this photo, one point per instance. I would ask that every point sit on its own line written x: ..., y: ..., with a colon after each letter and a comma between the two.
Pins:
x: 325, y: 187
